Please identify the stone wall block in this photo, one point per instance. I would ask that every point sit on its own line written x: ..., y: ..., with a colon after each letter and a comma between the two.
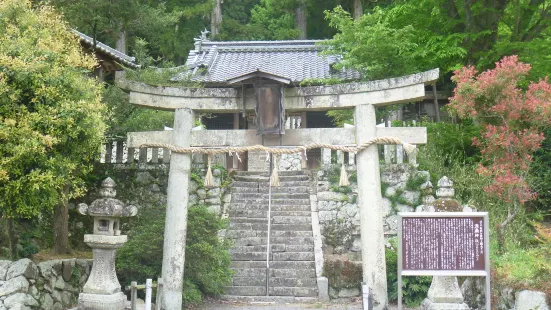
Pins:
x: 332, y: 196
x: 387, y: 207
x: 528, y: 300
x: 214, y: 192
x: 50, y: 268
x: 144, y: 177
x: 46, y: 301
x: 14, y: 285
x: 411, y: 197
x: 33, y: 291
x: 213, y: 201
x: 24, y: 267
x: 390, y: 191
x: 193, y: 199
x: 404, y: 208
x: 4, y: 265
x: 20, y: 299
x: 201, y: 193
x: 68, y: 266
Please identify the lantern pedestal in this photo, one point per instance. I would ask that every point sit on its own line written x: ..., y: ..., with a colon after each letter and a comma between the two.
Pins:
x: 102, y: 291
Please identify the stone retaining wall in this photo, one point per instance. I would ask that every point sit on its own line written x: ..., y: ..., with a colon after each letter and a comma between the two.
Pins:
x: 289, y: 162
x: 53, y: 284
x: 506, y: 298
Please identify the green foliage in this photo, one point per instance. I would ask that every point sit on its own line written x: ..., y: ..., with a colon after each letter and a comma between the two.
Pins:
x: 342, y: 273
x: 373, y: 45
x: 408, y: 36
x: 414, y: 288
x: 414, y: 182
x: 341, y: 117
x: 107, y: 20
x: 539, y: 177
x: 51, y: 115
x: 207, y: 257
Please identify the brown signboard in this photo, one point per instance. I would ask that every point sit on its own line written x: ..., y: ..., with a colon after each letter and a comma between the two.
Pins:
x: 443, y: 243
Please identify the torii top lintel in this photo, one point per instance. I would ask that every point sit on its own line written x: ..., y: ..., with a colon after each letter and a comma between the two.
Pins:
x: 314, y: 98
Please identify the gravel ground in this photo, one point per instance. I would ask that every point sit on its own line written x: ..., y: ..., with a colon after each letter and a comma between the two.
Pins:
x: 348, y: 304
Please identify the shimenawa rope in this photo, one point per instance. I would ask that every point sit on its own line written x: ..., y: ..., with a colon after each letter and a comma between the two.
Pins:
x: 409, y: 148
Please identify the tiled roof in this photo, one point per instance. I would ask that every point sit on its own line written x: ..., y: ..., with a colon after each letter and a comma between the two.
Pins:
x: 105, y: 49
x: 294, y: 61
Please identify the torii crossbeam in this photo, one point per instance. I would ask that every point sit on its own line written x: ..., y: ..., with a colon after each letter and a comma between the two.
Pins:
x: 362, y: 97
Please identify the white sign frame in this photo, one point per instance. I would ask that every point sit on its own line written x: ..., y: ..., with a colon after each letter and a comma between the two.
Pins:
x: 474, y: 273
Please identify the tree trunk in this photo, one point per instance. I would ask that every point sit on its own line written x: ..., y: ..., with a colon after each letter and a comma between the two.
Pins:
x: 358, y: 9
x: 12, y: 239
x: 300, y: 18
x: 61, y: 228
x: 216, y: 18
x: 121, y: 41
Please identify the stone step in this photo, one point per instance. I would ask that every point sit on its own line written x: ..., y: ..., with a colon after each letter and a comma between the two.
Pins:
x: 293, y: 265
x: 265, y: 173
x: 264, y: 213
x: 291, y: 219
x: 275, y: 202
x: 274, y: 256
x: 265, y: 196
x: 274, y: 247
x: 259, y: 179
x: 274, y: 291
x: 237, y: 234
x: 269, y: 299
x: 276, y: 240
x: 275, y: 282
x: 275, y: 220
x: 284, y: 183
x: 274, y: 227
x: 264, y: 190
x: 263, y: 185
x: 275, y: 208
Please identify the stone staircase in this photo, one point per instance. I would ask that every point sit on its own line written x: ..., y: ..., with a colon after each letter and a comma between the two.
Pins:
x: 292, y: 262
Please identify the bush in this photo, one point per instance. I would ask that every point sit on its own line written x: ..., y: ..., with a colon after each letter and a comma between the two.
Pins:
x: 414, y: 288
x: 207, y: 257
x: 342, y: 273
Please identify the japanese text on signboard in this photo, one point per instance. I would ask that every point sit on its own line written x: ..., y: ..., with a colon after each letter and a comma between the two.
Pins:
x: 443, y: 243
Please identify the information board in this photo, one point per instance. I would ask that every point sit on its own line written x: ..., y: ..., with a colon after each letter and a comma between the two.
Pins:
x: 443, y: 244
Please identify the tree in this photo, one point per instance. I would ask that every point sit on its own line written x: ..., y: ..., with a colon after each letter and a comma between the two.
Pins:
x: 118, y: 23
x: 51, y: 115
x: 447, y: 33
x: 513, y: 120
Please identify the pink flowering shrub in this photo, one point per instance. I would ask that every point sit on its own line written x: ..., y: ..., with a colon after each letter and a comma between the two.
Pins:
x: 512, y: 119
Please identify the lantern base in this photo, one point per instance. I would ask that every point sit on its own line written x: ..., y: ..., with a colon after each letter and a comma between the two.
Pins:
x: 115, y: 301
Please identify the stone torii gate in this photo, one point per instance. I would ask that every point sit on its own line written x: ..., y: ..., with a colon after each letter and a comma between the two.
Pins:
x: 363, y: 97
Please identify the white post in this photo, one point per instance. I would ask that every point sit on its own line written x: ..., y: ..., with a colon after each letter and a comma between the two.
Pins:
x: 351, y: 159
x: 325, y: 157
x: 370, y: 205
x: 176, y: 213
x: 340, y: 157
x: 148, y: 294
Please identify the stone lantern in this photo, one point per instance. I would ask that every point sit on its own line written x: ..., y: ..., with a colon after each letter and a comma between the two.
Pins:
x: 102, y: 291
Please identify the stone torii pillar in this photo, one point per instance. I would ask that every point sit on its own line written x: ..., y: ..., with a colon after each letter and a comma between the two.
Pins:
x: 370, y: 206
x: 362, y: 96
x: 174, y: 247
